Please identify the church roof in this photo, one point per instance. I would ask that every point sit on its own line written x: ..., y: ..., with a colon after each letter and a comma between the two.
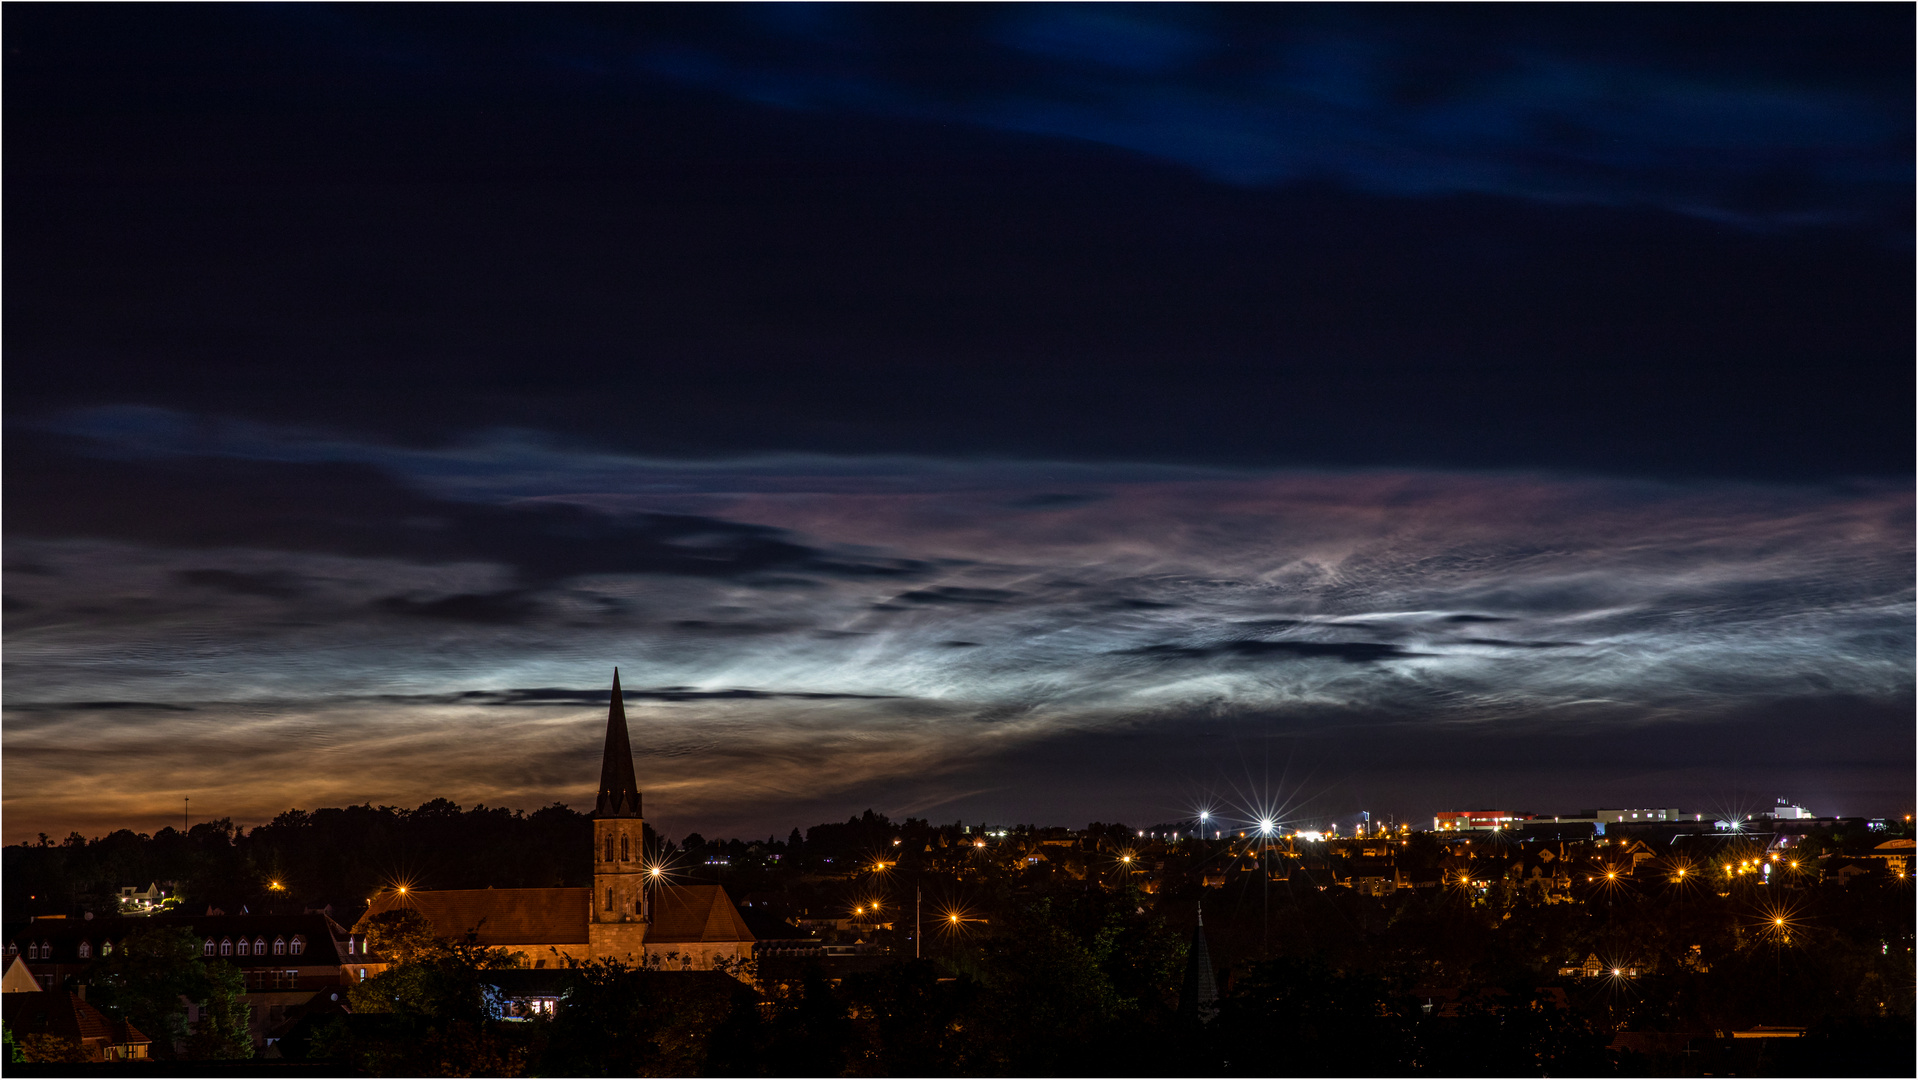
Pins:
x: 683, y: 914
x: 618, y: 787
x: 504, y: 918
x: 497, y: 917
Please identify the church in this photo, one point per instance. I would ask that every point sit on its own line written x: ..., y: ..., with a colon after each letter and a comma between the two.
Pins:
x: 634, y: 913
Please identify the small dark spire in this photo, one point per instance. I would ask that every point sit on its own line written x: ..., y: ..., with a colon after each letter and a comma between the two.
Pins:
x: 1199, y: 997
x: 618, y: 788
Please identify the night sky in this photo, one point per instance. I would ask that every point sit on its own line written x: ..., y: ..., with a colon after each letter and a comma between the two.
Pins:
x: 1041, y: 413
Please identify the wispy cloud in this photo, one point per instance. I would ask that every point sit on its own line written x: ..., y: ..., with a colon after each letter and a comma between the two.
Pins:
x: 1174, y: 595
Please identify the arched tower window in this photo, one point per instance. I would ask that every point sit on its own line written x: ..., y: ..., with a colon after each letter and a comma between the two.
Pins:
x: 625, y: 850
x: 609, y: 899
x: 609, y: 850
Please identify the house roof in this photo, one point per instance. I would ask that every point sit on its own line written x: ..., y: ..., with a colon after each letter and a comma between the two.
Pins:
x: 65, y: 935
x: 18, y: 979
x: 688, y: 913
x: 63, y: 1013
x: 496, y: 917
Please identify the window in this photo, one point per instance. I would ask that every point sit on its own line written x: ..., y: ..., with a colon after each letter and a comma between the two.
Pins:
x: 226, y: 946
x: 609, y: 899
x: 33, y: 950
x: 625, y: 852
x: 609, y: 850
x: 106, y: 948
x: 279, y: 946
x: 208, y: 951
x: 349, y: 944
x: 86, y: 950
x: 298, y: 945
x: 244, y: 948
x: 259, y: 946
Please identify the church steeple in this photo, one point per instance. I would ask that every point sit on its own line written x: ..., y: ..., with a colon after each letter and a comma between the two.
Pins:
x: 1199, y: 997
x: 618, y: 788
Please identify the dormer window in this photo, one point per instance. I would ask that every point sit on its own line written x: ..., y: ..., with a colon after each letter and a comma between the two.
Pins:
x: 86, y: 950
x: 33, y: 950
x: 226, y: 946
x: 298, y: 945
x: 279, y: 946
x: 244, y: 948
x: 349, y: 945
x: 106, y: 948
x: 209, y: 949
x: 259, y: 946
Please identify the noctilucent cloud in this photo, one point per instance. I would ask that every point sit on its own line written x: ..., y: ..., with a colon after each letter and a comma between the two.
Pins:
x: 1041, y: 413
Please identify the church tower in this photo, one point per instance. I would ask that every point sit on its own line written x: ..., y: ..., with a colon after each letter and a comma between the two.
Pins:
x: 618, y: 927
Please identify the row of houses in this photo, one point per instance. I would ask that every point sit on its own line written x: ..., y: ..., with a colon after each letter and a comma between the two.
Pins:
x: 285, y: 960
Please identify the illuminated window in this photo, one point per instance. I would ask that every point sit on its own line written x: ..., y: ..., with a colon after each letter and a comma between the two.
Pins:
x: 226, y: 946
x: 279, y: 946
x: 210, y: 947
x: 298, y: 944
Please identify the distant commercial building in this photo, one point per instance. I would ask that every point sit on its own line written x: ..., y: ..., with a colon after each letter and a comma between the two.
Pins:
x: 1475, y: 820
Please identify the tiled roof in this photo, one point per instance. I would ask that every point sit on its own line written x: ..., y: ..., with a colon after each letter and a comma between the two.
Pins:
x: 63, y: 1013
x: 688, y: 913
x: 497, y: 917
x: 506, y: 917
x: 65, y: 935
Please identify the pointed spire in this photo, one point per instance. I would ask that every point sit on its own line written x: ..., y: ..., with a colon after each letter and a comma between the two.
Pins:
x: 618, y: 788
x: 1199, y: 997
